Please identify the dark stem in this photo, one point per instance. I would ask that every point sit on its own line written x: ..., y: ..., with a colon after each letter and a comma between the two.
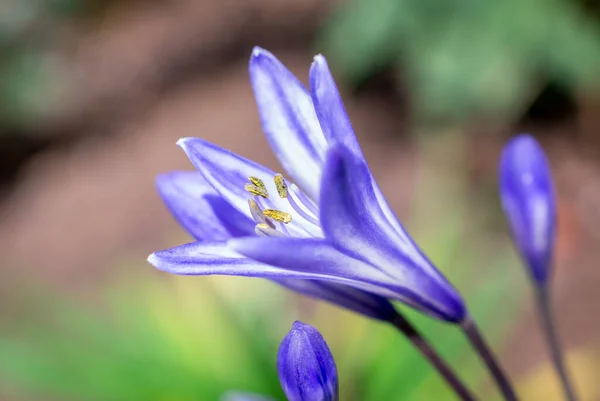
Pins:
x: 433, y: 357
x: 549, y: 328
x: 476, y: 339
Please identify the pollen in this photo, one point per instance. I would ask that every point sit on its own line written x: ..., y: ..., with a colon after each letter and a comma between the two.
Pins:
x: 278, y: 215
x: 281, y: 186
x: 254, y: 190
x: 257, y: 182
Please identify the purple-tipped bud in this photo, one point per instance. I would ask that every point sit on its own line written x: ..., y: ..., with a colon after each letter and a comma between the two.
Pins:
x: 529, y: 203
x: 306, y: 367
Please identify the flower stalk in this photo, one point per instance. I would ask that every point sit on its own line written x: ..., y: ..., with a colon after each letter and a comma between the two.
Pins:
x: 447, y: 373
x: 476, y: 339
x: 549, y: 329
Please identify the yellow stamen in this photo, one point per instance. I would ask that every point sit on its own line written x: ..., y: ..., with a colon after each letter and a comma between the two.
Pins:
x: 254, y: 190
x: 257, y: 182
x: 257, y: 214
x: 282, y: 188
x: 266, y: 231
x: 278, y: 215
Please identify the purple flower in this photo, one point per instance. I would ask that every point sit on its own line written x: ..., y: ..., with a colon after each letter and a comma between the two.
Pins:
x: 529, y: 203
x: 327, y: 231
x: 306, y: 367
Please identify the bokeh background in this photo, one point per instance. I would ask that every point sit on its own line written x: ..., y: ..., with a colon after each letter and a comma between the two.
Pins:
x: 94, y: 94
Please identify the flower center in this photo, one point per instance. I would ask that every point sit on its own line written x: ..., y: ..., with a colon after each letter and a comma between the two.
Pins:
x: 293, y: 213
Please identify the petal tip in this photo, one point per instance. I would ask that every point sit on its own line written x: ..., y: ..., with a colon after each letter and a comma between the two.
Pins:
x: 317, y: 68
x: 152, y: 259
x: 319, y: 59
x: 259, y: 54
x: 258, y: 51
x: 183, y: 142
x: 298, y: 325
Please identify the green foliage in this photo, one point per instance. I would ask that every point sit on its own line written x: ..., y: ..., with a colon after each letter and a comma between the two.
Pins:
x: 184, y: 339
x: 160, y: 345
x: 153, y: 346
x: 466, y: 57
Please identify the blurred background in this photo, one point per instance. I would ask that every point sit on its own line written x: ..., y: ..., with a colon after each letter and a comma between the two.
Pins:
x: 94, y: 94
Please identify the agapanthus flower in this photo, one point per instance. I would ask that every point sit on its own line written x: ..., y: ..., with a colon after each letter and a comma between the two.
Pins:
x: 306, y: 367
x: 529, y: 203
x: 324, y: 229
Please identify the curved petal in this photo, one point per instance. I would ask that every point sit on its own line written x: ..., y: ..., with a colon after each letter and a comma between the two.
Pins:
x: 208, y: 258
x: 307, y: 371
x: 362, y: 302
x: 288, y: 119
x: 330, y: 109
x: 320, y: 259
x: 529, y: 202
x: 351, y: 222
x: 228, y: 174
x: 199, y: 209
x: 350, y: 216
x: 338, y: 129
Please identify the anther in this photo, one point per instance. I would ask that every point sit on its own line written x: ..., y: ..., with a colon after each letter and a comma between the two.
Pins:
x: 257, y: 213
x: 281, y: 186
x: 264, y: 230
x: 257, y: 182
x: 278, y: 215
x: 257, y: 191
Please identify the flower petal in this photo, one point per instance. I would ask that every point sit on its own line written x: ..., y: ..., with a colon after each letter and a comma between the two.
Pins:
x: 529, y: 203
x: 328, y: 264
x: 362, y: 302
x: 350, y: 216
x: 307, y: 371
x: 288, y: 119
x: 338, y: 129
x: 228, y: 174
x: 208, y: 258
x: 351, y: 222
x: 199, y: 208
x: 317, y: 257
x: 330, y: 109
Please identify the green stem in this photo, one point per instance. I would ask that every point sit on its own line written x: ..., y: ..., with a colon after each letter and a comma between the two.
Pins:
x: 402, y: 324
x: 549, y: 328
x: 485, y: 353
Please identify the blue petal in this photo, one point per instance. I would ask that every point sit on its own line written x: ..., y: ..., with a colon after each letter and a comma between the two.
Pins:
x: 199, y: 209
x: 206, y: 258
x: 330, y: 108
x: 228, y: 174
x: 362, y: 302
x: 223, y: 258
x: 241, y: 396
x: 318, y: 258
x: 352, y: 221
x: 338, y: 129
x: 289, y: 120
x: 529, y: 203
x: 323, y: 262
x: 307, y: 371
